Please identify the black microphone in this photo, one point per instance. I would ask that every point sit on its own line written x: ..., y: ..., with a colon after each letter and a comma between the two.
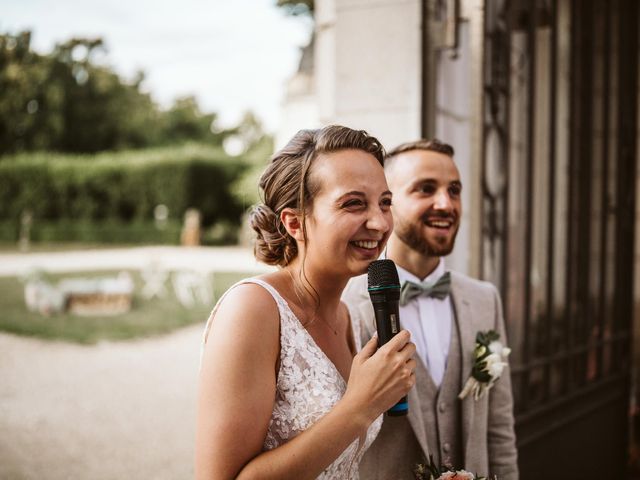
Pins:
x: 384, y: 290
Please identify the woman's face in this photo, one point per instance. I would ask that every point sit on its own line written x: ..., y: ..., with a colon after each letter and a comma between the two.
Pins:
x: 350, y: 219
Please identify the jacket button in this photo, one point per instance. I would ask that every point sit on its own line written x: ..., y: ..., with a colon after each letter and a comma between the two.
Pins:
x: 442, y: 407
x: 446, y: 447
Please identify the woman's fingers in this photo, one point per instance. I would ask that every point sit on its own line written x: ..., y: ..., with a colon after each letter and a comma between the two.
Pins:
x: 398, y: 342
x: 399, y: 347
x: 380, y: 376
x: 369, y: 348
x: 409, y: 349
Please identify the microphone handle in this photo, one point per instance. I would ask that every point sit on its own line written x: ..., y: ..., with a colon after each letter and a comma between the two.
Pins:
x: 388, y: 326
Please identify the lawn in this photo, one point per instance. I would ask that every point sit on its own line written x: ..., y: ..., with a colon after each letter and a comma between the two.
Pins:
x: 146, y: 317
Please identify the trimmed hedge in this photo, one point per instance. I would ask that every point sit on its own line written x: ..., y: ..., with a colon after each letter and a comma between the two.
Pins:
x: 120, y: 187
x: 116, y: 232
x: 92, y: 232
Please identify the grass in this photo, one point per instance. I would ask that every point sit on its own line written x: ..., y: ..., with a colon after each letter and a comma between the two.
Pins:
x: 146, y: 317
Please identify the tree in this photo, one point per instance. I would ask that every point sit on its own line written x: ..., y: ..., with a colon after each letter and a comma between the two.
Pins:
x: 64, y: 101
x: 67, y: 101
x: 185, y: 122
x: 29, y: 108
x: 101, y: 111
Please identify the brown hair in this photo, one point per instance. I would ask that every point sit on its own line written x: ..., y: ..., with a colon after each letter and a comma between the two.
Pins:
x: 287, y: 183
x: 434, y: 145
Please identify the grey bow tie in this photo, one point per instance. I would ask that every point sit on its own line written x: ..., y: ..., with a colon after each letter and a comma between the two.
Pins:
x: 440, y: 289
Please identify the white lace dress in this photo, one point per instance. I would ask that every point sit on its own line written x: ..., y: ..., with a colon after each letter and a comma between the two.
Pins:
x: 308, y: 386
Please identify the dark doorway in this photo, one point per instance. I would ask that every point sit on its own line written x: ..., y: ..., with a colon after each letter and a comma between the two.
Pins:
x: 559, y: 163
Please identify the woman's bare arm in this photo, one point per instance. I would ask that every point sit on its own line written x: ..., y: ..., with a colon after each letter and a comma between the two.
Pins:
x: 237, y: 393
x: 237, y: 382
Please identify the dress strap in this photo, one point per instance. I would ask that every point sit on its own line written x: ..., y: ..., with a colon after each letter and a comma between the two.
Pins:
x: 280, y: 301
x: 269, y: 288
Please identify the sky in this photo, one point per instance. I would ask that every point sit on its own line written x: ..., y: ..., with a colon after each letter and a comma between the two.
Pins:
x: 232, y: 55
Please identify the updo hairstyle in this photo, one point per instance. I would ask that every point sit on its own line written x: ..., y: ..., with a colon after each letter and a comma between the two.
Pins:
x: 286, y: 183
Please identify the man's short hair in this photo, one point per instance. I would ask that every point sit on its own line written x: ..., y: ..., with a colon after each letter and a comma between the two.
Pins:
x: 434, y: 145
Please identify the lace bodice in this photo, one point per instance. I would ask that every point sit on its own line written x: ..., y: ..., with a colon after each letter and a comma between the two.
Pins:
x: 307, y: 387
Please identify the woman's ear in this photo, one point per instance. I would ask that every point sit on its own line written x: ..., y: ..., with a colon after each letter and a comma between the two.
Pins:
x: 292, y: 223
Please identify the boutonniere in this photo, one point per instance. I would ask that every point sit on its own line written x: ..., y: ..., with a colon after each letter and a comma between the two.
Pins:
x: 430, y: 471
x: 489, y: 361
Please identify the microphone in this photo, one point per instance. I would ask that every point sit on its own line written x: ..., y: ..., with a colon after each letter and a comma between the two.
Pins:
x: 384, y: 290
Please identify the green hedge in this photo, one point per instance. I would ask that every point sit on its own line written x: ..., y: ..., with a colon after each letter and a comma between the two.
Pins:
x: 120, y: 186
x: 110, y: 231
x: 93, y: 232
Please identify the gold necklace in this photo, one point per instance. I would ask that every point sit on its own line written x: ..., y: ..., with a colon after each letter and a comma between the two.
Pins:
x: 335, y: 332
x: 302, y: 304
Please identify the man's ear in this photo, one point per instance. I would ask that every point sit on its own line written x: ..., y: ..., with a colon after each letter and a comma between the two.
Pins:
x: 292, y: 222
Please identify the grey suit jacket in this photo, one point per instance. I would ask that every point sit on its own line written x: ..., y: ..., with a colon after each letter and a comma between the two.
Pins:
x: 488, y: 438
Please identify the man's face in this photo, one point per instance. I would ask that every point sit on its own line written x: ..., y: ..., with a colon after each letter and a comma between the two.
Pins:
x: 426, y: 201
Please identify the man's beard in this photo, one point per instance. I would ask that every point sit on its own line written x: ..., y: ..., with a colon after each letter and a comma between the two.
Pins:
x: 411, y: 234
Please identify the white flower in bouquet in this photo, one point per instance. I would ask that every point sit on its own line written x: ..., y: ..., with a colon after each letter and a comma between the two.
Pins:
x: 457, y: 475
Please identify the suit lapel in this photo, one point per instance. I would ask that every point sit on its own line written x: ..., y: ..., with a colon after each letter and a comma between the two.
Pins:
x: 423, y: 377
x: 416, y: 420
x: 467, y: 332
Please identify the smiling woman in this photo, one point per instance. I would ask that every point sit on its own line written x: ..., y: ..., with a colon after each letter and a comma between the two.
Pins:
x: 283, y: 346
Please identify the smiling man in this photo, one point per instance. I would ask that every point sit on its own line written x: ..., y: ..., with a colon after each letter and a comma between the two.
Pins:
x: 444, y: 311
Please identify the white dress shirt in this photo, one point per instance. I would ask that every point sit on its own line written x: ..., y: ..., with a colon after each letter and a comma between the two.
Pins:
x: 429, y: 320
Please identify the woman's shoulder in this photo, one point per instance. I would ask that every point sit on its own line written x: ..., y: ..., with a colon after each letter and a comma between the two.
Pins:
x: 248, y: 307
x: 248, y: 298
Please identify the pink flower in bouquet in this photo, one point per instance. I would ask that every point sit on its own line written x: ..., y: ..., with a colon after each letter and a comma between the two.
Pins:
x: 459, y: 475
x: 430, y: 471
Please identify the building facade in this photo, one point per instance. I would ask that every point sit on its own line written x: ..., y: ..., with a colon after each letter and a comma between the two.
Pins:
x: 540, y: 100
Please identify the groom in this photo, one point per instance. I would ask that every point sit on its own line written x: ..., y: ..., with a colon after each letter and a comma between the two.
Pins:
x: 474, y: 434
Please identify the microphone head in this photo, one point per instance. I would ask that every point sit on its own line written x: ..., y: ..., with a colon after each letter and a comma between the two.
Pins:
x: 382, y: 275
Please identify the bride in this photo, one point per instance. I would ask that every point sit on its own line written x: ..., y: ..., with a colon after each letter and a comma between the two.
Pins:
x: 283, y: 392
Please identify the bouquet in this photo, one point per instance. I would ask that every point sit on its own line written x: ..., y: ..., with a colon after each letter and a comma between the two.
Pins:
x: 430, y: 471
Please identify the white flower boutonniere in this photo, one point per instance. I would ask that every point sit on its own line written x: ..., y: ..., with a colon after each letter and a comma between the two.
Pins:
x: 488, y: 364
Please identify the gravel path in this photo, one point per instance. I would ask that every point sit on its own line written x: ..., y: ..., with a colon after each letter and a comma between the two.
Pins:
x: 110, y: 411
